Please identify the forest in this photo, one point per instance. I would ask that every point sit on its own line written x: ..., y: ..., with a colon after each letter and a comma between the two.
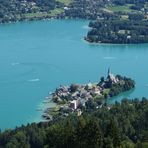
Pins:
x: 121, y: 125
x: 133, y: 30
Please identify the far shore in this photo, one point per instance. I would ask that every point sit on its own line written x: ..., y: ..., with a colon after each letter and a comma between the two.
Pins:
x: 101, y: 43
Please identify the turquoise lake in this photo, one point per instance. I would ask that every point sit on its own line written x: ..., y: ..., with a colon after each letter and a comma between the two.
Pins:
x: 36, y: 57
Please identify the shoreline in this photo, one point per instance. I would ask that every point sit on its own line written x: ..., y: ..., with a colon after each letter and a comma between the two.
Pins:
x: 44, y: 19
x: 101, y: 43
x: 85, y: 39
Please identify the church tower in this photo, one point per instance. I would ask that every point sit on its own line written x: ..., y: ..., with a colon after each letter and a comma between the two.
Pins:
x: 108, y: 74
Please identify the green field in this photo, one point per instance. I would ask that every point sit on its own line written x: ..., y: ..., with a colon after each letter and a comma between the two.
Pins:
x: 52, y: 13
x: 125, y: 8
x: 66, y: 2
x: 55, y: 12
x: 31, y: 15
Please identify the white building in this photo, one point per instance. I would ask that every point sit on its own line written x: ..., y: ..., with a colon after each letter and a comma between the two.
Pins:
x: 112, y: 77
x: 74, y: 104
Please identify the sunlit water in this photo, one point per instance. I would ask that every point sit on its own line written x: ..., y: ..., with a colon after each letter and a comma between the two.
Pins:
x: 36, y: 57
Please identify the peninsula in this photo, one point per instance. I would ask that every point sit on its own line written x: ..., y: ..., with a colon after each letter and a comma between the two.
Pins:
x: 119, y: 31
x: 78, y: 98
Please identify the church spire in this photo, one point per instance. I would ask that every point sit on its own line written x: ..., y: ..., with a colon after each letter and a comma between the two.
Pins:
x: 108, y: 71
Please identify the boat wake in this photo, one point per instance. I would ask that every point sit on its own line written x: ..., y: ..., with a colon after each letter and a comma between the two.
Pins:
x: 34, y: 80
x: 109, y: 58
x: 14, y: 64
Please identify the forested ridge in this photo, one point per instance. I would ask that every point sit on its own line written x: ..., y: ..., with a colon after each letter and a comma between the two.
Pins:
x: 122, y: 125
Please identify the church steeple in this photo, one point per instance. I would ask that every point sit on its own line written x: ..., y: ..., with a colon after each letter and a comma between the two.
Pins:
x: 108, y: 71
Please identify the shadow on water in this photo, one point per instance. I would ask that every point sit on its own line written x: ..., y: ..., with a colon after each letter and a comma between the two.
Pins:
x: 118, y: 47
x: 120, y: 97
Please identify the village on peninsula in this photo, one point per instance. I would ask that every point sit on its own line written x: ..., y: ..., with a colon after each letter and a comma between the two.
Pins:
x: 78, y: 98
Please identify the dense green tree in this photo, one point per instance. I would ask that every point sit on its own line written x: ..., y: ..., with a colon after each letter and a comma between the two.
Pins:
x: 124, y: 125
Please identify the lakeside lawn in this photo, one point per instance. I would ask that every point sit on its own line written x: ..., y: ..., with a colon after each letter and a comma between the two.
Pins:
x: 52, y: 13
x: 66, y: 2
x: 125, y: 8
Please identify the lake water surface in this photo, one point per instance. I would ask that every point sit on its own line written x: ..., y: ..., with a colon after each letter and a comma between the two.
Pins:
x: 36, y: 57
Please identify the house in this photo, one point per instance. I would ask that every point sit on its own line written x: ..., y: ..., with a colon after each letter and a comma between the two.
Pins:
x: 74, y: 104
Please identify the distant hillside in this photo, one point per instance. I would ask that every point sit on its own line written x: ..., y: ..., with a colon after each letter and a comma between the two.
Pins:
x: 18, y: 10
x: 121, y: 22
